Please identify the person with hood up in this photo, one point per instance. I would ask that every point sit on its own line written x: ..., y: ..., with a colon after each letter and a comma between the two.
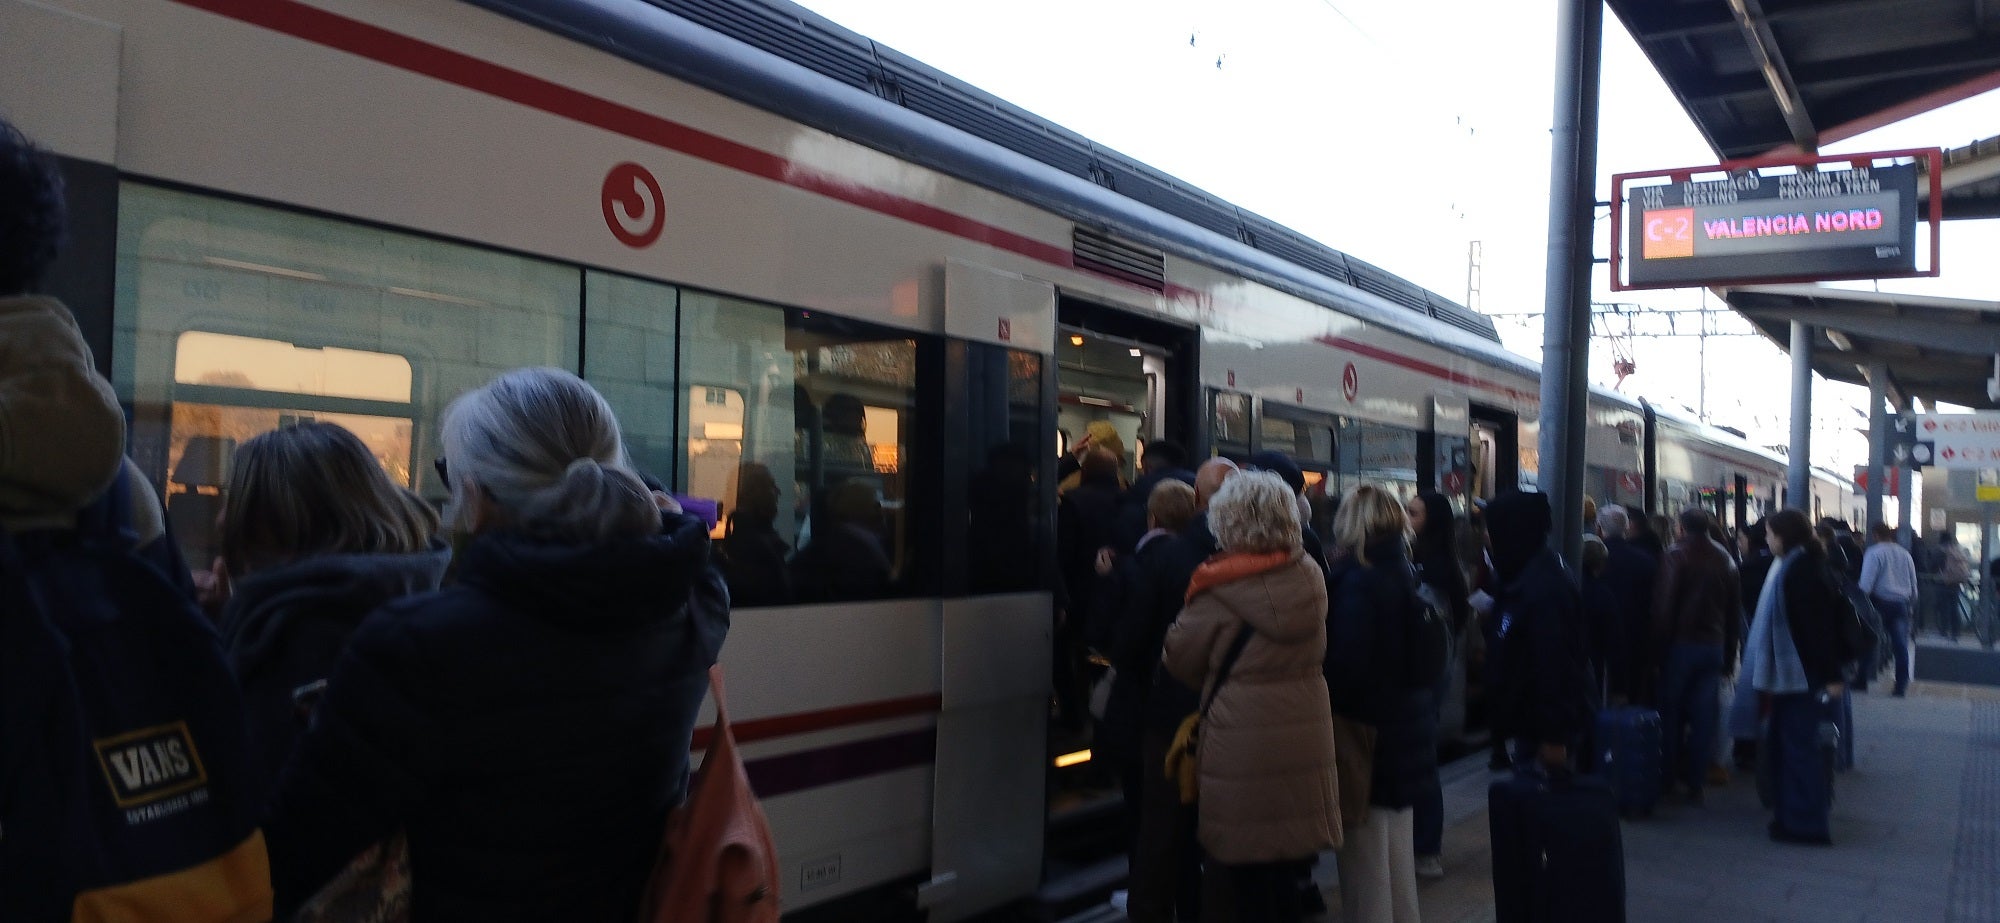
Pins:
x: 528, y: 727
x: 62, y: 433
x: 315, y: 537
x: 1379, y: 707
x: 1542, y: 697
x: 1434, y: 550
x: 1266, y: 757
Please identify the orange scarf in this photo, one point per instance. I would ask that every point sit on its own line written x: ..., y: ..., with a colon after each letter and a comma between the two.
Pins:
x: 1229, y: 567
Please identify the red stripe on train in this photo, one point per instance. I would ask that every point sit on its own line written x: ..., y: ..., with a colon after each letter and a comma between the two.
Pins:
x: 397, y: 50
x: 825, y: 719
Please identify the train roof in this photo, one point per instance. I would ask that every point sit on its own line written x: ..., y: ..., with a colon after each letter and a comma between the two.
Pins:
x: 785, y: 59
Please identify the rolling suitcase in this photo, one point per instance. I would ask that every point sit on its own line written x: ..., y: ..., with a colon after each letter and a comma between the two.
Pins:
x: 1558, y: 855
x: 1627, y: 752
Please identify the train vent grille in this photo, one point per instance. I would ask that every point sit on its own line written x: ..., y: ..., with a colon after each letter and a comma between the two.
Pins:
x: 1098, y: 252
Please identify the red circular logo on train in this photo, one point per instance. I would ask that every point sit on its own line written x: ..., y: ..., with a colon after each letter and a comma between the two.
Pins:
x: 634, y: 208
x: 1350, y: 382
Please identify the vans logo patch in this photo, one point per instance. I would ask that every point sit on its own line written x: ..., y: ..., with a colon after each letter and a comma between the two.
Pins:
x: 148, y: 765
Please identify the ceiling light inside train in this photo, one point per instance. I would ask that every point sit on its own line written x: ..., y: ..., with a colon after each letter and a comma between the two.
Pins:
x: 1135, y: 352
x: 1076, y: 339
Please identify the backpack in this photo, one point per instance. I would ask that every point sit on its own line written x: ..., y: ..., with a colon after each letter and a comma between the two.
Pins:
x: 125, y: 783
x: 1427, y: 648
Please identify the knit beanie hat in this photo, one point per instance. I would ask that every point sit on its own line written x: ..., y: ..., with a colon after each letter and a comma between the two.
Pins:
x: 62, y: 435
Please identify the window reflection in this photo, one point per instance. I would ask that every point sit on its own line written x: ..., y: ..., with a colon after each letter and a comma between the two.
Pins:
x: 799, y: 428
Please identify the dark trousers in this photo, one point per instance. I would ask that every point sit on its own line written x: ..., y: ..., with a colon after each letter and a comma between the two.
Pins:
x: 1802, y: 796
x: 1896, y: 624
x: 1166, y: 860
x: 1261, y: 892
x: 1689, y: 699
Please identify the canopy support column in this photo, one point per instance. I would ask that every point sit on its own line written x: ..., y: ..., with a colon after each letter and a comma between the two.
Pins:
x: 1798, y: 477
x: 1566, y: 322
x: 1878, y: 438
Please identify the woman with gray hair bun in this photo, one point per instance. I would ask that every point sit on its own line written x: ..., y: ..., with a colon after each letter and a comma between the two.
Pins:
x: 1252, y: 638
x: 528, y: 727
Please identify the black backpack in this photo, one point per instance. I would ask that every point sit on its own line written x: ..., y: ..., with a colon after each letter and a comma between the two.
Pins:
x: 1427, y: 643
x: 124, y: 767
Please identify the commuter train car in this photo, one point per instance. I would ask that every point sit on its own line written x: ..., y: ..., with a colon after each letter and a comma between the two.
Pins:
x: 836, y: 293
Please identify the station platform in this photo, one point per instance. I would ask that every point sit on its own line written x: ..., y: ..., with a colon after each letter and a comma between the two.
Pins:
x: 1916, y: 829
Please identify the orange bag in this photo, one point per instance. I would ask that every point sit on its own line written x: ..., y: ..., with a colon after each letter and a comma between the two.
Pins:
x: 718, y: 863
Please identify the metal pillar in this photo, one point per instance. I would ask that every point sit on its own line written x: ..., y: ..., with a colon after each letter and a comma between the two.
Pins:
x: 1566, y: 321
x: 1798, y: 476
x: 1904, y: 514
x: 1878, y: 437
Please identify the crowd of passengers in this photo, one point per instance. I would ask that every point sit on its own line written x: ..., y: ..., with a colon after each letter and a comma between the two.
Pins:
x: 511, y: 687
x: 1316, y: 730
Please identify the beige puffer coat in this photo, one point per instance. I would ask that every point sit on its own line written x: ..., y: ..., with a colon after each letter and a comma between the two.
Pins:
x: 1265, y: 761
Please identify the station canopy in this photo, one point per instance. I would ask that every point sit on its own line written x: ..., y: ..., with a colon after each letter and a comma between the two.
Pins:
x: 1936, y: 349
x: 1781, y: 77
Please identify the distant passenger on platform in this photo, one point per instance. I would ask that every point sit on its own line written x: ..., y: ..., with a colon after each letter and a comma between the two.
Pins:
x: 1850, y: 547
x: 1435, y: 553
x: 1385, y: 715
x: 1800, y: 642
x: 1589, y: 516
x: 1629, y: 573
x: 1282, y: 465
x: 1542, y: 698
x: 1889, y: 578
x: 1954, y: 571
x: 1603, y: 622
x: 1754, y: 551
x: 1166, y: 869
x: 315, y: 537
x: 1651, y: 534
x: 1086, y: 519
x: 1829, y: 541
x: 528, y: 728
x: 1697, y: 622
x: 1252, y: 637
x: 1161, y: 461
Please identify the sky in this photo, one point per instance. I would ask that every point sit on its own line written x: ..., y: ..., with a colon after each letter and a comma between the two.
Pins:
x: 1400, y: 132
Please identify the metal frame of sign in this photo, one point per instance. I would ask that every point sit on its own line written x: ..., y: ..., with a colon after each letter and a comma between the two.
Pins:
x: 1931, y: 156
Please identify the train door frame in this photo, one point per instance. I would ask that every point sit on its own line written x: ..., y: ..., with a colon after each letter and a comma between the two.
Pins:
x: 1506, y: 428
x: 1179, y: 411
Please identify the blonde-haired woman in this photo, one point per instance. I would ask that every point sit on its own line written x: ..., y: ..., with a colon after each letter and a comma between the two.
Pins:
x: 314, y: 537
x: 1255, y: 614
x: 528, y: 727
x: 1380, y: 710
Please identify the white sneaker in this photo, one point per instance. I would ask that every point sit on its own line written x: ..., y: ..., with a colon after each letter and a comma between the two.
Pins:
x: 1430, y: 867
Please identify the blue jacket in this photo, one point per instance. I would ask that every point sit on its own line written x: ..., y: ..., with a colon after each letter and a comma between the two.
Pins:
x: 528, y: 728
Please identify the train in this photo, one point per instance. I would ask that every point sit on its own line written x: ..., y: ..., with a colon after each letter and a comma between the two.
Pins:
x: 800, y: 266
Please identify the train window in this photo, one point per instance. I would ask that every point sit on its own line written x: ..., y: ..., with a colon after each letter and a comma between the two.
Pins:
x: 1379, y: 454
x: 800, y: 427
x: 629, y: 354
x: 1004, y: 497
x: 1229, y: 424
x: 232, y: 319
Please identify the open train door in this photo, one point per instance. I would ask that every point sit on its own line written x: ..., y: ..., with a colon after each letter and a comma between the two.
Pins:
x: 988, y: 788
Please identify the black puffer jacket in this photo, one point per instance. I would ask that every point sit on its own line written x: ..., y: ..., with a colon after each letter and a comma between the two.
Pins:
x: 1822, y: 621
x: 285, y: 628
x: 528, y: 728
x: 1368, y: 608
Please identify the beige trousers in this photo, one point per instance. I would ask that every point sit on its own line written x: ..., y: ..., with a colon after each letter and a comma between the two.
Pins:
x: 1378, y: 869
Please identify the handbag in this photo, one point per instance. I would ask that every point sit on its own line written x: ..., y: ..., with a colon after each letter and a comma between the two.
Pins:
x: 718, y: 862
x: 1353, y: 768
x: 1180, y: 764
x: 373, y: 888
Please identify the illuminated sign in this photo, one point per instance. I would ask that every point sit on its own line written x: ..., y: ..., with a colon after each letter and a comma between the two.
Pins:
x: 1792, y: 221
